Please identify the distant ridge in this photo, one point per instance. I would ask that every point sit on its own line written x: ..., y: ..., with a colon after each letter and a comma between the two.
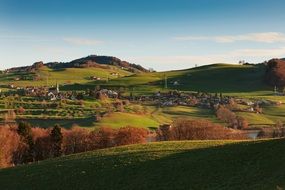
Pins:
x: 89, y: 61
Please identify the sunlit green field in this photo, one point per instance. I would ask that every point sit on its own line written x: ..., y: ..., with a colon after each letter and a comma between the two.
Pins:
x: 117, y: 120
x: 225, y: 78
x: 63, y: 76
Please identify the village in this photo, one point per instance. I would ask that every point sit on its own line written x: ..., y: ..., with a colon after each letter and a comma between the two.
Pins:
x: 169, y: 98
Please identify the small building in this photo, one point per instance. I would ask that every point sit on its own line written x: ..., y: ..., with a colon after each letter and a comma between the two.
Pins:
x: 115, y: 74
x: 176, y: 83
x: 54, y: 90
x: 95, y: 78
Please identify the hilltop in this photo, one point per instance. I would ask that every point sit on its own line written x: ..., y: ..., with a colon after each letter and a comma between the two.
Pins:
x: 85, y: 62
x: 83, y: 70
x: 163, y: 165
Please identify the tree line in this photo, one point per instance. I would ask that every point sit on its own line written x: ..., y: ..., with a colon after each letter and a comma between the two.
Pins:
x: 24, y: 143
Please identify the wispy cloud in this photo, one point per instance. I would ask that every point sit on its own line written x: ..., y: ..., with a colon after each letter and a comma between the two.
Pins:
x: 24, y: 38
x: 270, y: 52
x: 15, y: 37
x: 82, y: 41
x: 265, y: 37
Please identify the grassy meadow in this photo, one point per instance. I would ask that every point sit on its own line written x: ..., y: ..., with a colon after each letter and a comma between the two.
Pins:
x: 164, y: 165
x: 66, y: 76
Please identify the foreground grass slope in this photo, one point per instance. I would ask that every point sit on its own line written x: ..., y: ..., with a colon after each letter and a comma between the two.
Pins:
x: 165, y: 165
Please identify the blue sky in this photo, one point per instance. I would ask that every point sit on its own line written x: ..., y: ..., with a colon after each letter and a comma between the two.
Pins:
x: 160, y: 34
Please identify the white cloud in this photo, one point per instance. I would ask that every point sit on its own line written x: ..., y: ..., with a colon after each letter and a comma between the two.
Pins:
x: 82, y: 41
x: 266, y: 37
x: 15, y: 37
x: 271, y: 53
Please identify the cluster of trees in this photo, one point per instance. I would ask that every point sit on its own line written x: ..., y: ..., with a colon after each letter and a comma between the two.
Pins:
x: 97, y: 61
x: 24, y: 143
x: 275, y: 73
x: 236, y: 122
x: 184, y: 129
x: 276, y: 131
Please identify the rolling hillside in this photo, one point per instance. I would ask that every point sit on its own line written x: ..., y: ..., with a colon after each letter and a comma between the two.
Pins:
x: 165, y: 165
x: 76, y: 71
x: 226, y: 78
x: 48, y: 76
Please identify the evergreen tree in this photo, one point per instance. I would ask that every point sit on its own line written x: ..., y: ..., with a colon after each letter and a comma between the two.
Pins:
x: 56, y: 139
x: 25, y: 132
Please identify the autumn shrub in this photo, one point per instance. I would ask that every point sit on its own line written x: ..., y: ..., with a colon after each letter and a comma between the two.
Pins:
x: 10, y: 116
x: 184, y: 129
x: 242, y: 123
x: 227, y: 116
x: 75, y: 140
x: 10, y: 143
x: 163, y: 133
x: 42, y: 143
x: 130, y: 135
x: 233, y: 121
x: 102, y: 138
x: 21, y: 110
x: 275, y: 73
x: 119, y: 106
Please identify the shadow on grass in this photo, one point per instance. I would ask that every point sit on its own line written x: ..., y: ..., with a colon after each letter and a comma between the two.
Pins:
x: 65, y: 123
x: 236, y: 166
x: 58, y: 69
x: 249, y: 165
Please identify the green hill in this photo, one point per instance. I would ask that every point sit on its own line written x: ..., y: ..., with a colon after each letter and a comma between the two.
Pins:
x: 165, y: 165
x: 64, y: 76
x: 226, y: 78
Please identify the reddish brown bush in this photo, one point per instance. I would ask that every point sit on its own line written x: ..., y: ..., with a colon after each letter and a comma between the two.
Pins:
x: 119, y: 106
x: 200, y: 130
x: 227, y: 116
x: 42, y: 143
x: 75, y: 140
x: 10, y: 143
x: 130, y: 135
x: 275, y: 73
x: 163, y: 133
x: 21, y: 110
x: 242, y: 123
x: 10, y: 116
x: 102, y: 138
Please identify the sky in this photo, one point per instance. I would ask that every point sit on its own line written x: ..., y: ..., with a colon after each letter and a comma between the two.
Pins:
x: 158, y: 34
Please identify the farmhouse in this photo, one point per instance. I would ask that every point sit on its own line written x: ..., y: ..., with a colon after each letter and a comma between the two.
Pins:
x: 109, y: 93
x: 114, y: 74
x: 95, y: 78
x: 54, y: 90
